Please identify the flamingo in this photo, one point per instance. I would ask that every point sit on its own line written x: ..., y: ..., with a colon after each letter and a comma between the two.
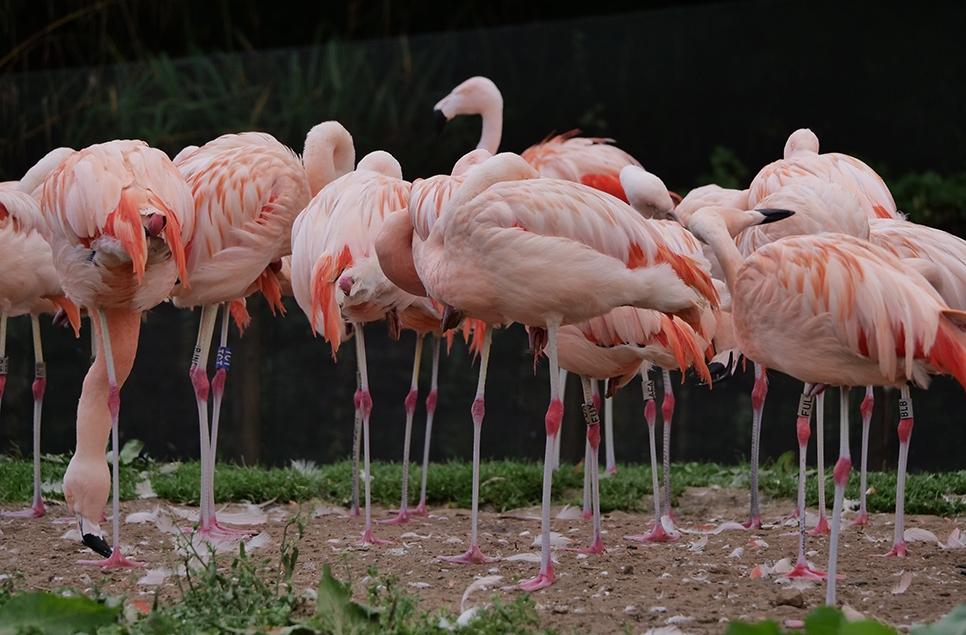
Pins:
x: 116, y: 216
x: 493, y: 253
x: 831, y: 309
x: 589, y: 160
x: 945, y: 257
x: 29, y: 286
x: 649, y: 337
x: 336, y: 276
x: 247, y: 189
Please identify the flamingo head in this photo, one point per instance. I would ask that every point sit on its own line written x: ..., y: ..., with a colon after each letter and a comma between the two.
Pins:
x: 87, y: 485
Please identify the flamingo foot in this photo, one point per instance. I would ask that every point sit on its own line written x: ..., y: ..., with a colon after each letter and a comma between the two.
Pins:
x: 542, y: 581
x: 369, y: 539
x: 861, y: 521
x: 753, y: 523
x: 612, y: 470
x: 802, y: 570
x: 792, y: 515
x: 420, y: 509
x: 115, y: 561
x: 596, y: 548
x: 898, y: 551
x: 402, y: 516
x: 587, y: 515
x: 354, y: 512
x: 659, y: 534
x: 472, y: 556
x: 34, y: 511
x: 821, y: 528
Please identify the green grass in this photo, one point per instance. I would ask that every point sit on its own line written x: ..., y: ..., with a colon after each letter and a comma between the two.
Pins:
x: 504, y: 484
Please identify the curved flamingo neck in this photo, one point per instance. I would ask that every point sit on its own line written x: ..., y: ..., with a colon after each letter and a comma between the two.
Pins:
x: 492, y: 131
x: 329, y: 153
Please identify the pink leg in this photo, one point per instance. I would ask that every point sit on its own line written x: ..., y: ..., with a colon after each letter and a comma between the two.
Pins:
x: 36, y: 508
x: 610, y: 457
x: 356, y: 447
x: 116, y: 559
x: 867, y: 405
x: 473, y: 555
x: 592, y: 419
x: 4, y: 360
x: 403, y: 515
x: 430, y: 412
x: 801, y: 569
x: 552, y: 422
x: 366, y: 406
x: 841, y: 474
x: 667, y: 412
x: 659, y: 534
x: 905, y: 433
x: 821, y: 527
x: 758, y: 394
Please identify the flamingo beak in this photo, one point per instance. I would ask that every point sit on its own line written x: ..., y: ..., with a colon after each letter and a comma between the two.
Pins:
x: 156, y: 224
x: 440, y: 122
x: 91, y: 536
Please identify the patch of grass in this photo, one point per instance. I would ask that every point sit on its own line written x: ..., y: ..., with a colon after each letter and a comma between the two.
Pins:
x: 504, y: 485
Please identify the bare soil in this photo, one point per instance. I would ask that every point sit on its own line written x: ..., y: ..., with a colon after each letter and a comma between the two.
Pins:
x: 692, y: 584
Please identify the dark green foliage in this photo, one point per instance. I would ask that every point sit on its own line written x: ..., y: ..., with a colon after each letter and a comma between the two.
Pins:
x: 825, y: 620
x: 932, y: 199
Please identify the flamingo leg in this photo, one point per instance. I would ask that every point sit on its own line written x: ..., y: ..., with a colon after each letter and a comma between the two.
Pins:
x: 556, y: 443
x: 611, y: 461
x: 356, y: 446
x: 758, y: 394
x: 36, y: 508
x: 659, y: 534
x: 592, y: 419
x: 430, y: 412
x: 403, y: 515
x: 588, y: 511
x: 222, y: 363
x: 667, y: 412
x: 365, y: 405
x: 199, y: 380
x: 867, y: 405
x: 905, y: 433
x: 841, y: 475
x: 552, y: 423
x: 821, y: 528
x: 116, y: 559
x: 4, y: 360
x: 801, y: 569
x: 473, y: 555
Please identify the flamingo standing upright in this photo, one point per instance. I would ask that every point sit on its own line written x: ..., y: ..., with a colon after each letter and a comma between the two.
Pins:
x: 495, y: 252
x: 116, y: 216
x: 28, y: 286
x: 830, y: 309
x: 336, y: 277
x: 247, y: 188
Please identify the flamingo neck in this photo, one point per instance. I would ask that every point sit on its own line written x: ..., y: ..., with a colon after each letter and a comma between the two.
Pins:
x: 492, y: 131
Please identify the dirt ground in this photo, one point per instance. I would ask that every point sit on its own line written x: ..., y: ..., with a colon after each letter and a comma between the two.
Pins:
x: 696, y: 584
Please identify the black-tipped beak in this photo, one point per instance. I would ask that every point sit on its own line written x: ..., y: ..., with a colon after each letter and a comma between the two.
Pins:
x: 771, y: 215
x: 721, y: 371
x: 451, y: 318
x: 440, y: 122
x: 97, y: 544
x: 60, y: 319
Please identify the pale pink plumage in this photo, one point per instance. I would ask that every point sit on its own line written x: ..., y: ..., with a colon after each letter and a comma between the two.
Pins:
x: 801, y: 159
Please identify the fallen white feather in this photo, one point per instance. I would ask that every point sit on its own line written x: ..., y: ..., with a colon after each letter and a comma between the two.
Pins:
x: 144, y: 489
x: 698, y: 545
x: 569, y: 512
x: 956, y: 539
x: 154, y: 577
x: 324, y: 509
x: 729, y: 526
x: 737, y: 553
x: 903, y: 584
x: 412, y: 534
x: 253, y: 515
x: 143, y: 517
x: 72, y: 534
x: 453, y: 540
x: 679, y: 619
x: 259, y: 541
x: 481, y: 584
x: 191, y: 515
x: 557, y: 539
x: 917, y: 534
x: 665, y: 630
x: 758, y: 544
x: 529, y: 557
x: 783, y: 566
x: 467, y: 616
x: 418, y: 585
x: 52, y: 487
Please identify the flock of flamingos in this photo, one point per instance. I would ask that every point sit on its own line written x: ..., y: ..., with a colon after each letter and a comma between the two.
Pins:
x: 811, y: 271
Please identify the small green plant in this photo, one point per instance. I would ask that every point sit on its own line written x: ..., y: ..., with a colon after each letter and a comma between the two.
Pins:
x: 727, y: 170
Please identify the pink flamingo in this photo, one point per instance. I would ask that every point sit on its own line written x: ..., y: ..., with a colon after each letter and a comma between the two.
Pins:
x: 945, y: 257
x: 29, y: 286
x: 247, y: 188
x: 589, y: 160
x: 336, y: 276
x: 491, y: 256
x: 116, y: 216
x: 831, y: 309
